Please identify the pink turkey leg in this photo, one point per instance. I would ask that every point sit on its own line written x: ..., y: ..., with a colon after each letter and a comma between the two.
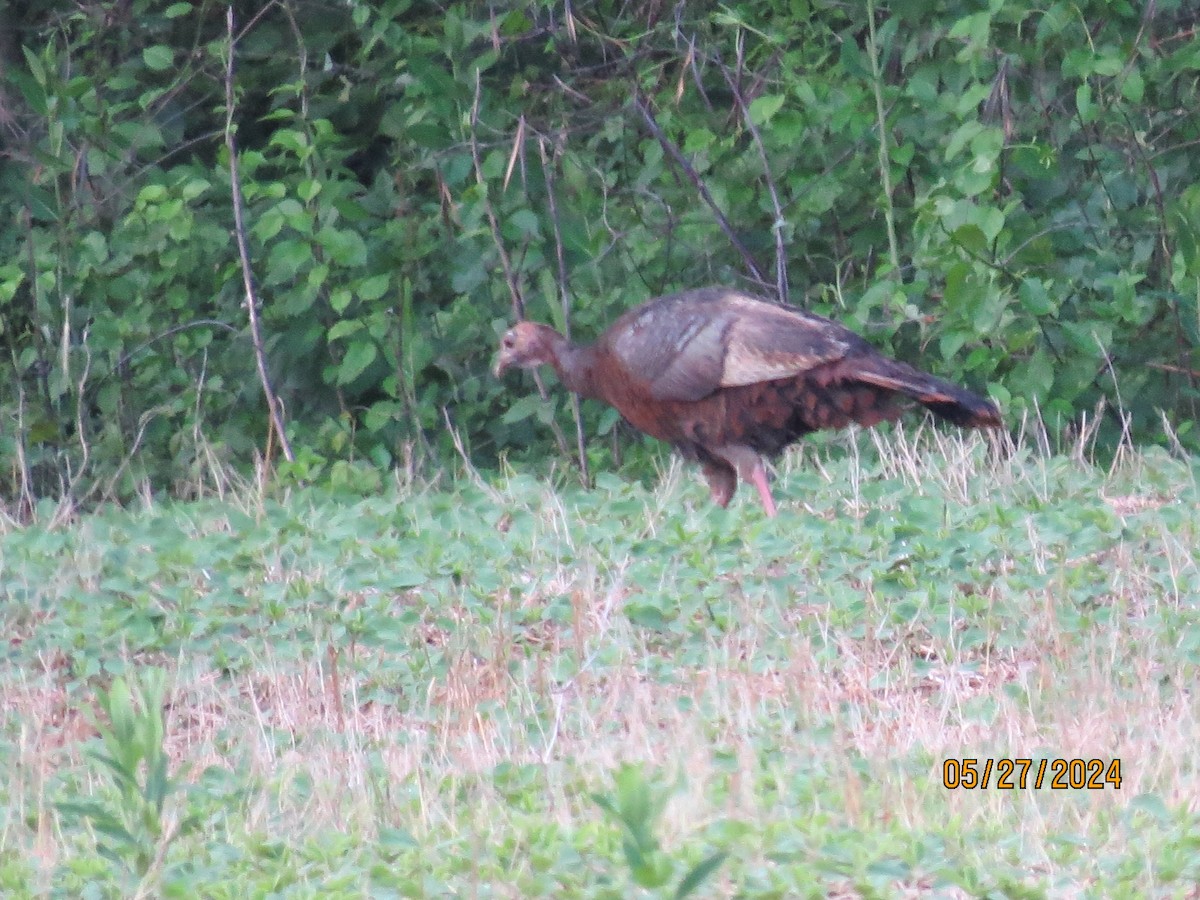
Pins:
x: 759, y: 477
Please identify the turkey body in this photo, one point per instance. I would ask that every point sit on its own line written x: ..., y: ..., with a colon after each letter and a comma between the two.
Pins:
x: 729, y: 378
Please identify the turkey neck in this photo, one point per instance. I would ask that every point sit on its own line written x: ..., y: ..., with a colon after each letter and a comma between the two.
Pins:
x: 575, y: 366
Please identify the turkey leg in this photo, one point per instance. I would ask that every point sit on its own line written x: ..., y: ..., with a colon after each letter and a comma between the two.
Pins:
x: 759, y: 477
x: 722, y: 481
x: 750, y: 468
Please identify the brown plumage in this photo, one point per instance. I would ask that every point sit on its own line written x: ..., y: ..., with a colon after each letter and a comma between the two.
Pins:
x: 728, y: 378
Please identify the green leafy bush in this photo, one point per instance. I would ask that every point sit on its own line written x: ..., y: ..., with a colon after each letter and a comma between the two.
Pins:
x: 1003, y: 194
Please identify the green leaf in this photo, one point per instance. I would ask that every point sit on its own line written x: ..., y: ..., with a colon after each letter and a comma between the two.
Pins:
x: 358, y: 356
x: 699, y: 874
x: 961, y: 137
x: 286, y: 259
x: 151, y: 194
x: 374, y: 287
x: 991, y: 221
x: 522, y: 409
x: 1083, y: 103
x: 343, y: 328
x: 292, y: 139
x: 1034, y: 297
x: 96, y: 245
x: 1133, y: 88
x: 269, y: 224
x: 973, y: 28
x: 11, y: 278
x: 971, y: 237
x: 35, y: 66
x: 308, y: 189
x: 345, y: 247
x: 763, y: 109
x: 381, y: 414
x: 654, y: 871
x: 1038, y: 374
x: 951, y: 342
x: 515, y: 23
x: 698, y: 140
x: 194, y: 187
x: 526, y: 222
x: 468, y: 274
x: 158, y: 58
x: 646, y: 615
x: 1110, y: 63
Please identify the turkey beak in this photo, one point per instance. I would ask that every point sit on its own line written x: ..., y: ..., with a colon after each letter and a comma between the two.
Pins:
x: 500, y: 366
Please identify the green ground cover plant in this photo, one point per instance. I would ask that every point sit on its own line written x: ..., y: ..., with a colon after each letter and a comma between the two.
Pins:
x: 512, y: 687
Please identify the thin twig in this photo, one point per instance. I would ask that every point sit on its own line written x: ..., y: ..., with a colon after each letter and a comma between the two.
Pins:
x: 1125, y: 445
x: 468, y: 466
x: 885, y: 168
x: 517, y: 153
x: 26, y: 500
x: 699, y: 82
x: 80, y: 392
x: 1178, y: 370
x: 239, y: 230
x: 25, y: 504
x: 510, y: 276
x: 1139, y: 149
x: 302, y: 81
x: 781, y: 278
x: 1164, y: 240
x: 694, y: 177
x: 564, y: 297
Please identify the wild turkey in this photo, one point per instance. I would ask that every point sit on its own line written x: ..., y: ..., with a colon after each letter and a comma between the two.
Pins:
x: 727, y: 378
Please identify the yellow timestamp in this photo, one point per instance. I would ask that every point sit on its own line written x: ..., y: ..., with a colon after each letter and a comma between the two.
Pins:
x: 1018, y: 774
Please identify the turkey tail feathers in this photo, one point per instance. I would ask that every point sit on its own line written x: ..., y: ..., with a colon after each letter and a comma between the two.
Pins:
x: 945, y: 400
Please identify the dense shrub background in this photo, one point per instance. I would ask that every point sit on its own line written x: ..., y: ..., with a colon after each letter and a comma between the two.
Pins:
x: 1002, y: 192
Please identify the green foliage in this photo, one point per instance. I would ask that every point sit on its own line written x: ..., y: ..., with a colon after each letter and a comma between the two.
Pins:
x: 635, y: 804
x: 136, y: 822
x: 1003, y: 193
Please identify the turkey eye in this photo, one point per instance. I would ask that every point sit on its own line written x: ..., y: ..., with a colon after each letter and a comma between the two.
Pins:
x: 508, y: 342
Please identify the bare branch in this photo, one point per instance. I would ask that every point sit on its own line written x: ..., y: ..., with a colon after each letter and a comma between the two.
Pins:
x: 694, y: 177
x: 518, y: 152
x: 781, y: 277
x: 1177, y: 370
x: 239, y: 230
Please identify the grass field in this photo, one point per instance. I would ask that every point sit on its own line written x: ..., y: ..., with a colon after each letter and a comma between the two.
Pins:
x: 512, y: 689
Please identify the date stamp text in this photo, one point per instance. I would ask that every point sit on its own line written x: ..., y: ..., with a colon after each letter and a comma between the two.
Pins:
x: 1018, y: 774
